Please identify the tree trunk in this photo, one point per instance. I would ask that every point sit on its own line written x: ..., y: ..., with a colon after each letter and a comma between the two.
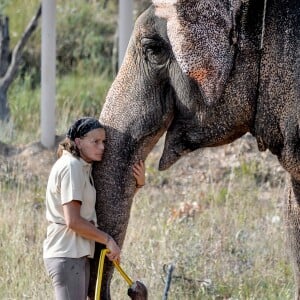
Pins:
x: 4, y: 108
x: 5, y: 57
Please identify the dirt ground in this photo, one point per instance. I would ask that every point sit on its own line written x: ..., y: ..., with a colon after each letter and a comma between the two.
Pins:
x: 31, y: 160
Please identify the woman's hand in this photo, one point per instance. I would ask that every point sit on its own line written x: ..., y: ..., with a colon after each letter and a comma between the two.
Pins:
x: 139, y: 173
x: 114, y: 250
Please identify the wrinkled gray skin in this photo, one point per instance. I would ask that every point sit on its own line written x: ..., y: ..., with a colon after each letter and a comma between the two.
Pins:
x: 195, y: 70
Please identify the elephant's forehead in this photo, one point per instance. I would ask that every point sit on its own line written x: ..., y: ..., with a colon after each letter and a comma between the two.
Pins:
x: 192, y: 28
x: 199, y: 35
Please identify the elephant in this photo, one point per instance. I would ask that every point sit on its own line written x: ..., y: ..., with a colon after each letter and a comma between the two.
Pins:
x: 202, y: 73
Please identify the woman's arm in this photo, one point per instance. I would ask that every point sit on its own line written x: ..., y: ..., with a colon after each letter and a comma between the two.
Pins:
x: 87, y: 230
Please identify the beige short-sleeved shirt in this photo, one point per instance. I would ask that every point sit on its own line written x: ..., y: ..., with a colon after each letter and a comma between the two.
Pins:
x: 69, y: 179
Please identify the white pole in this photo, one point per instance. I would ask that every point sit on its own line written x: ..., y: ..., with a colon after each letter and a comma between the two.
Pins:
x: 125, y: 27
x: 48, y: 61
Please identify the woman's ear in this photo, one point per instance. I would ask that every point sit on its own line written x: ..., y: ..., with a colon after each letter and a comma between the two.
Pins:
x: 200, y: 35
x: 78, y: 143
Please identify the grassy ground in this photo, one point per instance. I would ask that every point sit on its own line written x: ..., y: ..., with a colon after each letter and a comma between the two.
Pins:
x: 216, y: 216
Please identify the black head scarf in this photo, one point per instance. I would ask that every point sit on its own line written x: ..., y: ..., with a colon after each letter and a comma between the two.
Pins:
x: 82, y: 126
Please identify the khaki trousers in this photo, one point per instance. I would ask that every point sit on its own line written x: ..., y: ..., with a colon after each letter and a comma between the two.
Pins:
x: 70, y: 277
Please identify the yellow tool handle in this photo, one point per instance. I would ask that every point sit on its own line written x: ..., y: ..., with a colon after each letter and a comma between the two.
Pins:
x: 121, y: 271
x: 100, y: 273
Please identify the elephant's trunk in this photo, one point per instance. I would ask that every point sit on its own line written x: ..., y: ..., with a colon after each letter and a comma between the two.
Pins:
x: 115, y: 190
x: 116, y: 186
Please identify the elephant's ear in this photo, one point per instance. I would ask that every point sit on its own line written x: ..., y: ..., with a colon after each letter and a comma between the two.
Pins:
x: 200, y: 32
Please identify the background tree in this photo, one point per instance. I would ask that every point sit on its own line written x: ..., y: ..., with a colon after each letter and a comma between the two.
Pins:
x: 86, y: 56
x: 10, y: 60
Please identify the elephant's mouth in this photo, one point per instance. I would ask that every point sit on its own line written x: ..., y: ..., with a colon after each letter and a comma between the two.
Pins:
x: 147, y: 143
x: 168, y: 159
x: 172, y: 153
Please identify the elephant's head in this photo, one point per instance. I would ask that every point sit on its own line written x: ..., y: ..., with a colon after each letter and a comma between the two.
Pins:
x: 191, y: 69
x: 187, y: 72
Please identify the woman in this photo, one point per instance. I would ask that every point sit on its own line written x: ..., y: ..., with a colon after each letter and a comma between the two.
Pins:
x: 70, y: 210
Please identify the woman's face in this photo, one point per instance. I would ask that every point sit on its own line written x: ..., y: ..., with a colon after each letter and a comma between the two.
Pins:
x: 91, y: 146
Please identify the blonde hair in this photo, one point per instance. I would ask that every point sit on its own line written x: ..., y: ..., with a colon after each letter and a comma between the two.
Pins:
x: 69, y: 146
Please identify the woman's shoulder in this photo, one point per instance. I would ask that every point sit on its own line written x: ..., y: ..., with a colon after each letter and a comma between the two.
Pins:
x: 70, y: 159
x: 67, y: 160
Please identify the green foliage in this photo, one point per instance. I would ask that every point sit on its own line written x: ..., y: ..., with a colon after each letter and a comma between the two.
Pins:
x: 25, y: 106
x: 3, y: 5
x: 74, y: 99
x: 76, y: 95
x: 20, y: 13
x: 85, y: 36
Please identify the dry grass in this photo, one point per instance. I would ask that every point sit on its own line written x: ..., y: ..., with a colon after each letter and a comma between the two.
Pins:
x: 216, y: 216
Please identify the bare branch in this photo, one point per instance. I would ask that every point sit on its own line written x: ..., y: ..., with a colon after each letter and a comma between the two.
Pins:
x: 17, y: 52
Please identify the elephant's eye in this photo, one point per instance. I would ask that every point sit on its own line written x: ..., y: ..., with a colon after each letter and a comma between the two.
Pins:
x: 154, y: 51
